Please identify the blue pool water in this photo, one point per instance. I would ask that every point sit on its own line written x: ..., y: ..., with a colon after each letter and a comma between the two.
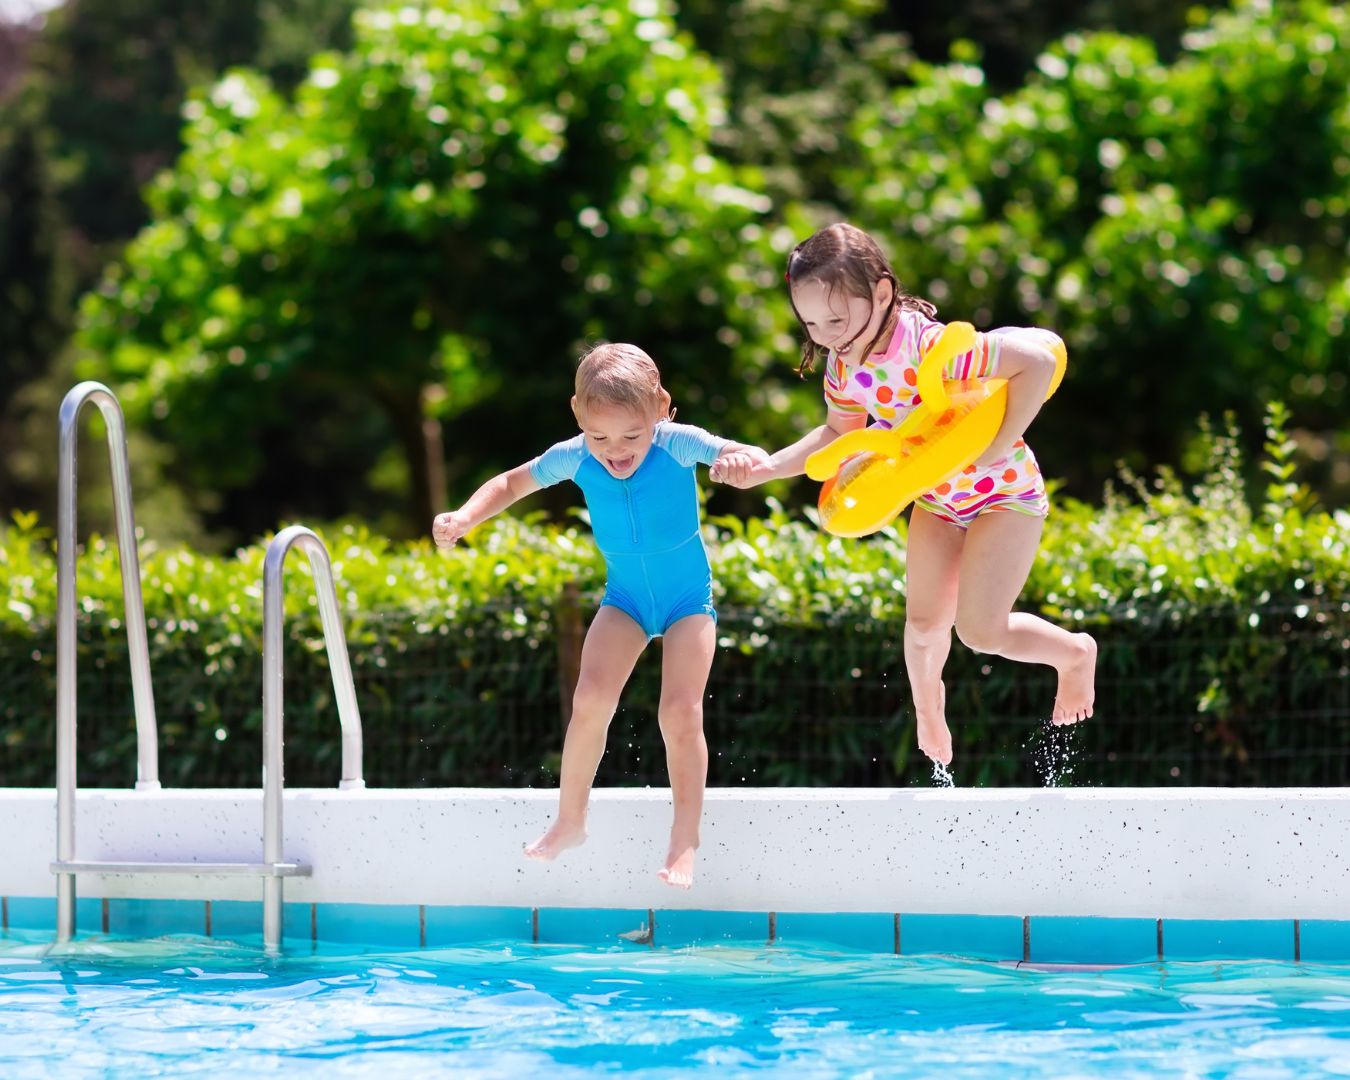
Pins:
x: 196, y: 1006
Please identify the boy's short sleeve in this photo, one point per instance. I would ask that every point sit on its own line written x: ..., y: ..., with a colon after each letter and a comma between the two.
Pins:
x: 980, y: 362
x: 559, y: 462
x: 836, y: 396
x: 687, y: 444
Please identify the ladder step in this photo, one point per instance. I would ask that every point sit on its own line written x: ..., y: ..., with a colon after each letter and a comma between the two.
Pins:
x: 93, y: 866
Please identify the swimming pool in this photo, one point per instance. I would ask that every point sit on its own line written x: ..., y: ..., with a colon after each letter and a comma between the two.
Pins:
x: 186, y: 1006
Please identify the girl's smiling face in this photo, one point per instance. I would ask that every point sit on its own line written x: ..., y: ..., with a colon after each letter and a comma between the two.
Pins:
x: 836, y: 320
x: 616, y: 435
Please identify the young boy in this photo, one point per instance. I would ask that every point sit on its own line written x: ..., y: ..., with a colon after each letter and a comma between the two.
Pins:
x: 635, y: 469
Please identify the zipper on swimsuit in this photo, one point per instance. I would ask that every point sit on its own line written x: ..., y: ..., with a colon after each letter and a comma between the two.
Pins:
x: 632, y: 517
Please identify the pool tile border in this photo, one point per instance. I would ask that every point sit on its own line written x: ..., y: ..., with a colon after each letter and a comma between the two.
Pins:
x: 1036, y: 939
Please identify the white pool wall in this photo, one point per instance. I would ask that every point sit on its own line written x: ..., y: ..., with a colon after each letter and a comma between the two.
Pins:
x: 1203, y: 853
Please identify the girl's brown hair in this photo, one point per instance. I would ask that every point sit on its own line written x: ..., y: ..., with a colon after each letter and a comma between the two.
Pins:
x: 619, y: 374
x: 843, y: 256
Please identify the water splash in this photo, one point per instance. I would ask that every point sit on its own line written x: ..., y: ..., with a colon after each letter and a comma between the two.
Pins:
x: 942, y: 776
x: 1053, y: 753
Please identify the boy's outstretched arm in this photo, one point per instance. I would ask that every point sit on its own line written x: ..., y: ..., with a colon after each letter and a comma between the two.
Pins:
x: 491, y: 499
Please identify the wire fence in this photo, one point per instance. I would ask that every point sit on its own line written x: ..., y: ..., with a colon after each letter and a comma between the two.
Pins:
x: 1233, y: 698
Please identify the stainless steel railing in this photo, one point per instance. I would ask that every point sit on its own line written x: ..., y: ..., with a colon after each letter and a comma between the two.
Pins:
x: 147, y: 747
x: 343, y: 688
x: 273, y: 869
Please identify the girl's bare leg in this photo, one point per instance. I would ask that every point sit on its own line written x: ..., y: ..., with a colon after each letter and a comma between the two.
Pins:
x: 688, y: 653
x: 932, y: 566
x: 612, y: 647
x: 999, y: 551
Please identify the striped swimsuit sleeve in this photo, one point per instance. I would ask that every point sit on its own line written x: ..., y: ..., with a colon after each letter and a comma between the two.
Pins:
x: 836, y: 389
x: 981, y: 362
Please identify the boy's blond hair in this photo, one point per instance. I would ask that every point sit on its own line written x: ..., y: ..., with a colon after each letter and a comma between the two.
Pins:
x: 620, y: 374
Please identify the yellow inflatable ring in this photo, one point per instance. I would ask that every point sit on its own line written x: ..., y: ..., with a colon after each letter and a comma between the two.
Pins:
x: 872, y: 474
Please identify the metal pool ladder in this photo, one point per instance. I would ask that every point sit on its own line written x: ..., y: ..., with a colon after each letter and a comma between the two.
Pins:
x: 273, y: 868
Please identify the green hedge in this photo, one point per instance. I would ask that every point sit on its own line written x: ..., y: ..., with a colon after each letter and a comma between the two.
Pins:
x: 1224, y: 631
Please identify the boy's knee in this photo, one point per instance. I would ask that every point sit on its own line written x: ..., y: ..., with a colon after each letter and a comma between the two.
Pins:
x: 681, y: 718
x: 592, y: 702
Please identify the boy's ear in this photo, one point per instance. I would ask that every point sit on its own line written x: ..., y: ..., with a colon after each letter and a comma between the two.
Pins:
x: 666, y: 411
x: 575, y: 410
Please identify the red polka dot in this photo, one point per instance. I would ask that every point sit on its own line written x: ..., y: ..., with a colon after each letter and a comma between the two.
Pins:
x: 942, y: 489
x: 1009, y: 475
x: 985, y: 485
x: 884, y: 394
x: 968, y: 470
x: 911, y: 376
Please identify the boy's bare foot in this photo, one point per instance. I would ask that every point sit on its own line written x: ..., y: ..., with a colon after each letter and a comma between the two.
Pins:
x: 935, y: 737
x: 679, y: 868
x: 1077, y: 684
x: 553, y: 843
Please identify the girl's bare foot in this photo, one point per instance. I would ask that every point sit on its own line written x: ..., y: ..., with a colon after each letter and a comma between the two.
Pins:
x: 1077, y: 684
x: 558, y: 839
x: 935, y: 737
x: 679, y: 868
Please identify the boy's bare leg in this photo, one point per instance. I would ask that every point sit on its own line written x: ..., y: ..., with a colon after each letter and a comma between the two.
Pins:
x: 932, y: 564
x: 999, y: 552
x: 687, y: 658
x: 612, y: 647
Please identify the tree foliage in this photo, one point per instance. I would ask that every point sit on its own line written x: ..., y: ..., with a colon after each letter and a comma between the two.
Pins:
x: 1183, y: 224
x: 461, y: 200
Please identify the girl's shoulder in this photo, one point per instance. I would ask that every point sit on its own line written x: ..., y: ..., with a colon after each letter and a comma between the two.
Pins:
x: 914, y: 332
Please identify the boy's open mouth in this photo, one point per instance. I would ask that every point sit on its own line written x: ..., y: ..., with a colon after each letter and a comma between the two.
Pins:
x: 621, y: 465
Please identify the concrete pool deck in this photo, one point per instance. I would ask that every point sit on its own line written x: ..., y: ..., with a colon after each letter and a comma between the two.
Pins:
x: 1178, y: 853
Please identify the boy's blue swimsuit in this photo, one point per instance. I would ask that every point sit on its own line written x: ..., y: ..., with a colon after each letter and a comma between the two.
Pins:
x: 646, y: 525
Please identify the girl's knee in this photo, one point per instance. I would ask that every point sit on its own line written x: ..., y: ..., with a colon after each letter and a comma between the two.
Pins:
x: 980, y: 635
x: 927, y: 631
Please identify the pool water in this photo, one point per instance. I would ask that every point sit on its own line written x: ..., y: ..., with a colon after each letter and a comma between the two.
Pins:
x: 192, y: 1006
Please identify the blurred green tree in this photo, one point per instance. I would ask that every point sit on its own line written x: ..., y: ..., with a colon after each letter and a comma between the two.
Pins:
x: 428, y: 234
x: 1184, y: 225
x: 97, y: 92
x: 35, y: 275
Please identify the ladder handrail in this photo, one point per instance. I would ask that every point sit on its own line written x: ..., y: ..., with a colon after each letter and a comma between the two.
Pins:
x: 147, y: 745
x: 273, y: 867
x: 344, y: 691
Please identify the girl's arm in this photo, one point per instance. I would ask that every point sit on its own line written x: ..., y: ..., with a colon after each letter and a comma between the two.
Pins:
x: 791, y: 460
x: 734, y: 463
x: 1029, y: 366
x: 491, y: 499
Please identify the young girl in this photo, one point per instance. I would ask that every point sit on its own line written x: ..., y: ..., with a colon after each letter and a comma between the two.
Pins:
x: 635, y: 469
x: 973, y: 539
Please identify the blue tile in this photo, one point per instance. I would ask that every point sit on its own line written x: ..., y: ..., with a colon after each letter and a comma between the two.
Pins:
x: 1067, y: 940
x: 236, y: 920
x: 478, y: 925
x: 297, y: 924
x: 588, y: 926
x: 155, y: 918
x: 984, y: 937
x: 853, y: 930
x: 1228, y: 939
x: 370, y: 924
x: 1324, y: 941
x: 676, y: 928
x: 39, y: 913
